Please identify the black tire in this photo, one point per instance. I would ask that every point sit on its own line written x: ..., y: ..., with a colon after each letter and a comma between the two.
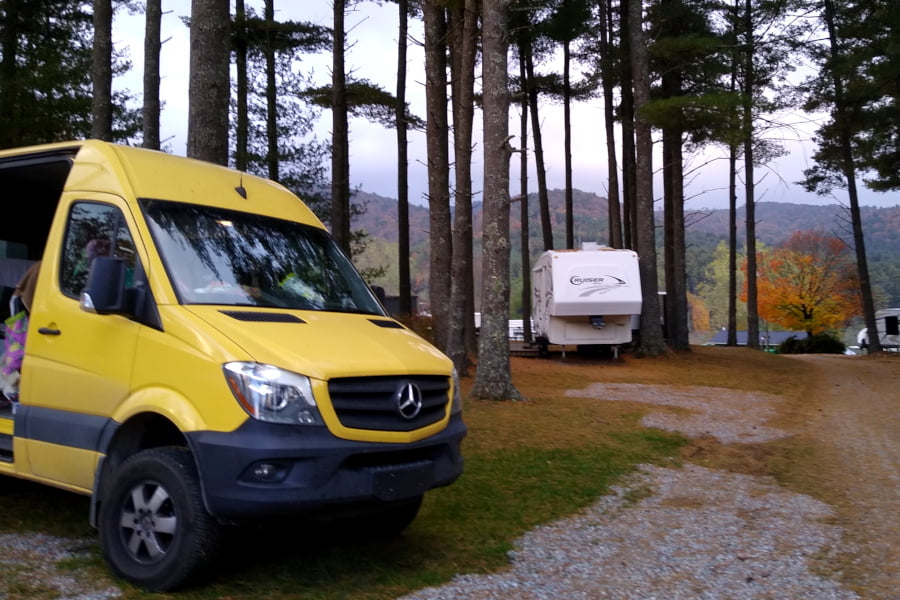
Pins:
x: 391, y: 521
x: 380, y: 523
x: 154, y: 529
x: 596, y: 351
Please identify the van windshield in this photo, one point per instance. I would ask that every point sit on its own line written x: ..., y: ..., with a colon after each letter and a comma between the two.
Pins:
x: 224, y: 257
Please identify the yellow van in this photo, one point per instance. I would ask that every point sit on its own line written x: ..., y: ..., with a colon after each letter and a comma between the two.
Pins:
x: 199, y: 352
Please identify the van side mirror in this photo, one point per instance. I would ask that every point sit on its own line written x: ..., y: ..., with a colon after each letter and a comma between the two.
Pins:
x: 105, y: 289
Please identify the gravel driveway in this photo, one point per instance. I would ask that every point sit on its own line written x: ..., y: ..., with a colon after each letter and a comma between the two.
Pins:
x: 697, y: 533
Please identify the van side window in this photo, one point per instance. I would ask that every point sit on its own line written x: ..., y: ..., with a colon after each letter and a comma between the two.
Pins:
x: 93, y: 229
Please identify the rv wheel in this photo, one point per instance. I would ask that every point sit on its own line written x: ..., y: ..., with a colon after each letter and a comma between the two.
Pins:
x: 154, y: 529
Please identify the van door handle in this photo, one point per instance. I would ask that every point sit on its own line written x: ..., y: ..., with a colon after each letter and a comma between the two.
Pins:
x: 48, y: 331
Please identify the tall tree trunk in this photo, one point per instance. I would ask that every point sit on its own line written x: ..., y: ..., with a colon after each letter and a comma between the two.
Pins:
x: 732, y: 245
x: 10, y: 127
x: 272, y: 158
x: 493, y: 379
x: 668, y: 225
x: 101, y: 71
x: 543, y: 198
x: 463, y: 47
x: 152, y: 48
x: 678, y: 321
x: 209, y: 87
x: 677, y: 329
x: 626, y: 110
x: 524, y: 240
x: 732, y: 188
x: 340, y: 136
x: 608, y: 80
x: 652, y: 342
x: 749, y: 190
x: 567, y: 145
x: 242, y: 120
x: 848, y: 163
x: 438, y: 168
x: 403, y: 162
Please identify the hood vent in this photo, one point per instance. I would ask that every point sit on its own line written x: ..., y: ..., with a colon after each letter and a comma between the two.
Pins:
x: 387, y: 324
x: 262, y: 317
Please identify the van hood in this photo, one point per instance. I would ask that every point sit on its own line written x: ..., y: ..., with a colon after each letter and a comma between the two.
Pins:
x: 324, y: 345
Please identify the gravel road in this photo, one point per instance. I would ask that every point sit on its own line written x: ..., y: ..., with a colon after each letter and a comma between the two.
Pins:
x: 857, y: 435
x: 697, y: 533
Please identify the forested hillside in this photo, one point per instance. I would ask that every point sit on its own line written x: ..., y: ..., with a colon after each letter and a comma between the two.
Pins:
x: 775, y: 223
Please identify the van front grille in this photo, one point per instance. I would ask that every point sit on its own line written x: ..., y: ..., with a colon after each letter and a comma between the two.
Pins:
x: 374, y: 403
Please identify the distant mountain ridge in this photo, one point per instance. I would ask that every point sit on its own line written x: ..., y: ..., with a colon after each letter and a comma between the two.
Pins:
x: 775, y: 221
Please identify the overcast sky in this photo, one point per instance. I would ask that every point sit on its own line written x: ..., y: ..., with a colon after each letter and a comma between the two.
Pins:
x: 372, y: 55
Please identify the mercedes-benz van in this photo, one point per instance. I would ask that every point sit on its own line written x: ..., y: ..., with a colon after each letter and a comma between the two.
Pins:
x: 199, y: 352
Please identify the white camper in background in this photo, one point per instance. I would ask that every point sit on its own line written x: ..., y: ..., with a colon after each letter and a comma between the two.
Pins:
x: 888, y: 330
x: 586, y: 297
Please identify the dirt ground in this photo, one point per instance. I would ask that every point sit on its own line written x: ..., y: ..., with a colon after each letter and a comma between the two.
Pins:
x: 852, y: 430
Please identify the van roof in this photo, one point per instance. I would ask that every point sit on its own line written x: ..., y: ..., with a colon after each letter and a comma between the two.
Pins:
x: 141, y: 173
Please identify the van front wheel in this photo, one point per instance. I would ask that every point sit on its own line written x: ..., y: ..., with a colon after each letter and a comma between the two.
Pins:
x: 154, y: 529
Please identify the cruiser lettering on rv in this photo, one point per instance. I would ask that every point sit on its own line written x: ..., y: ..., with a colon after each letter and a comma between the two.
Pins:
x: 599, y: 284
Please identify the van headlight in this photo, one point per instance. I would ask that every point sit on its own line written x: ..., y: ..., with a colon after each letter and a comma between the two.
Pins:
x: 456, y: 403
x: 271, y: 394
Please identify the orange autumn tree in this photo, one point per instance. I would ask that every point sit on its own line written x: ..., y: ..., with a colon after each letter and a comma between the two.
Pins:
x: 808, y: 284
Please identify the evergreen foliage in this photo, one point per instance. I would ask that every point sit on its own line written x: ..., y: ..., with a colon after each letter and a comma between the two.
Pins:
x: 822, y: 343
x: 689, y: 59
x: 301, y: 157
x: 367, y: 100
x: 45, y: 75
x: 868, y: 67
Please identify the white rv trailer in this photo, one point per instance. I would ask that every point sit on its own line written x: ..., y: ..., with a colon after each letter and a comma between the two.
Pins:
x: 888, y: 330
x: 586, y: 297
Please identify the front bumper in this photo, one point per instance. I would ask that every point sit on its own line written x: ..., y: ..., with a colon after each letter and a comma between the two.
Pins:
x: 264, y: 469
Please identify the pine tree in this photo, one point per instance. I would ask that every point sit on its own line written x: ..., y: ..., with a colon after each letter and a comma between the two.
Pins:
x: 438, y: 167
x: 210, y: 87
x: 493, y: 379
x: 567, y: 23
x: 842, y: 88
x: 687, y: 57
x: 101, y: 71
x: 152, y: 46
x: 463, y: 33
x: 652, y: 342
x: 45, y: 75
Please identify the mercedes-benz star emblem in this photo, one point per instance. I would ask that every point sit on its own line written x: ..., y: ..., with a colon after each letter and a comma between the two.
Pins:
x: 409, y: 401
